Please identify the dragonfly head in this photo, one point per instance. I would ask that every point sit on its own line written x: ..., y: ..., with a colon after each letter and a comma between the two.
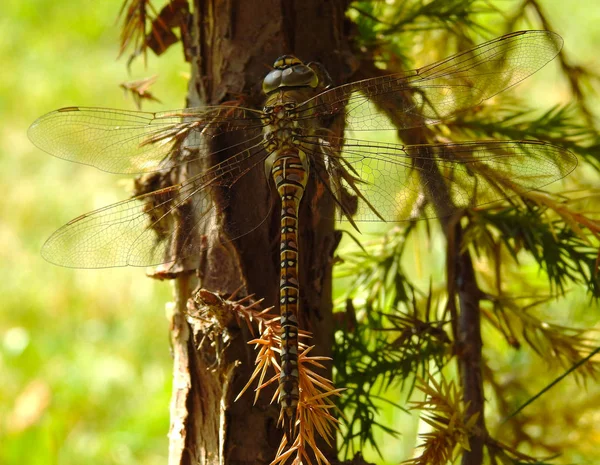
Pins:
x: 289, y: 71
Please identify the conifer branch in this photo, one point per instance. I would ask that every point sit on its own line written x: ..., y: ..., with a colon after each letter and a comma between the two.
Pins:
x: 315, y: 417
x: 451, y: 427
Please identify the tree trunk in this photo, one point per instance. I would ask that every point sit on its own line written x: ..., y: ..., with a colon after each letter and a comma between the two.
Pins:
x: 232, y: 45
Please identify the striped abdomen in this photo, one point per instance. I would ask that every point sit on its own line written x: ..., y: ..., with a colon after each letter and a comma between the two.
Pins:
x: 290, y: 176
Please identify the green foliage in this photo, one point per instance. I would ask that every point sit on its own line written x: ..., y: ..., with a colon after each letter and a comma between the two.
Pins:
x: 568, y: 258
x: 73, y: 343
x: 561, y: 125
x: 534, y: 252
x: 64, y: 330
x: 382, y: 26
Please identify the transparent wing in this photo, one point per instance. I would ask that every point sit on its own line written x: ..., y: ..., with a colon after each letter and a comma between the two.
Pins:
x: 142, y: 232
x: 439, y: 91
x: 393, y: 180
x: 121, y: 141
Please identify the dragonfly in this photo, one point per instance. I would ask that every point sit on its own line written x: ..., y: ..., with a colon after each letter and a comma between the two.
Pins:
x: 288, y: 140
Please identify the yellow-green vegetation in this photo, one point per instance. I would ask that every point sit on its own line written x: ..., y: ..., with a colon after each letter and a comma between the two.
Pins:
x: 84, y: 354
x: 561, y: 420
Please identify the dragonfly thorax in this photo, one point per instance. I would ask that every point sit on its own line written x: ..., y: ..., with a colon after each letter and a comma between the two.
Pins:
x: 279, y: 111
x: 280, y: 129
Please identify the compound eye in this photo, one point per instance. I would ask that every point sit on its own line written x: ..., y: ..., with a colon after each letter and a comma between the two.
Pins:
x: 290, y: 72
x: 300, y: 76
x: 272, y: 81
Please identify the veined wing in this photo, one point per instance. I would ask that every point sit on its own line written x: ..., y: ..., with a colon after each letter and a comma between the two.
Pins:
x: 439, y: 91
x: 393, y: 180
x: 142, y: 232
x: 122, y: 141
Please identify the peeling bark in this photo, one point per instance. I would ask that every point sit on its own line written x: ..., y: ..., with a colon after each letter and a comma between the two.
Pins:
x: 232, y: 45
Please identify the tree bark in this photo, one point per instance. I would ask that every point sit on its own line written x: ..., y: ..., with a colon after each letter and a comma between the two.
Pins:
x: 232, y: 45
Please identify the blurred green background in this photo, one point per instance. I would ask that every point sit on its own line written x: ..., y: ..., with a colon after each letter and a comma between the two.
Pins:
x: 85, y: 362
x: 84, y: 354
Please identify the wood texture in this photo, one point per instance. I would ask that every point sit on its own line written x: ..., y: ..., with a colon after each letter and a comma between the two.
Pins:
x: 232, y: 45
